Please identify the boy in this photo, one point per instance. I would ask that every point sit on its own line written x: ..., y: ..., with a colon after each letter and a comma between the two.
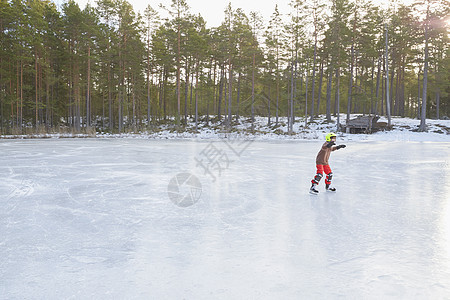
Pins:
x: 322, y: 164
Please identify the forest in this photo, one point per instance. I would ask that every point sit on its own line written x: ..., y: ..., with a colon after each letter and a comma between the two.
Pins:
x: 107, y: 67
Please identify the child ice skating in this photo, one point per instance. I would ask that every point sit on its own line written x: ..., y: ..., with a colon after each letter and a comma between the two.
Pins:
x: 322, y: 163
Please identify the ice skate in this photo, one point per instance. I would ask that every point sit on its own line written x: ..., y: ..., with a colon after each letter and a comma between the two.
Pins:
x: 313, y: 190
x: 330, y: 188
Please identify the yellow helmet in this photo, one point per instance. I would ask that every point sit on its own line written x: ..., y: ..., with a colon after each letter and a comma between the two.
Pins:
x: 329, y: 136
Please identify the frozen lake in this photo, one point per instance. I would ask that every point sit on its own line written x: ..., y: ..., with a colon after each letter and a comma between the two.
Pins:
x: 152, y: 219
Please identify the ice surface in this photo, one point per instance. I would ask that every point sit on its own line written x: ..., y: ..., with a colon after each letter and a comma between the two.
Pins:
x: 100, y: 219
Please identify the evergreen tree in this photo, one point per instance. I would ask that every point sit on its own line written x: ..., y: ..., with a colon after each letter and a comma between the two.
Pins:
x: 71, y: 66
x: 274, y: 55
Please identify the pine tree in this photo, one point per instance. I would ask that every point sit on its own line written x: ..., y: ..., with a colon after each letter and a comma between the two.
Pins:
x: 339, y: 22
x: 256, y: 23
x: 152, y: 21
x: 273, y: 41
x: 179, y: 10
x: 314, y: 14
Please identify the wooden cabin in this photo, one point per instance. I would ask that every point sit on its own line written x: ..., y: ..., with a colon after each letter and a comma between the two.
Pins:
x: 363, y: 124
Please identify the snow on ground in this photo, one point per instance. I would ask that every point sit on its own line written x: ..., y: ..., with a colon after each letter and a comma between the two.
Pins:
x: 404, y: 129
x: 223, y: 219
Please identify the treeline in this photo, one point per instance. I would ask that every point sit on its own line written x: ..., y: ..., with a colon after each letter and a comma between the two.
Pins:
x: 110, y: 68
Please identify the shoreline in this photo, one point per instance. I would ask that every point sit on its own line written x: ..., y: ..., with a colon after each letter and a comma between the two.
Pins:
x: 402, y: 129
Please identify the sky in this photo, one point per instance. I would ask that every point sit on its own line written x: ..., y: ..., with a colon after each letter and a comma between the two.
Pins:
x: 211, y: 10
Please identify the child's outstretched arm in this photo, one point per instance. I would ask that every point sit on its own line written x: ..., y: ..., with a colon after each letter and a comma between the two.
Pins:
x: 330, y: 144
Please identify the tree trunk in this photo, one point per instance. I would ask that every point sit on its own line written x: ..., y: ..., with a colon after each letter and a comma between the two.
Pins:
x: 278, y: 88
x: 437, y: 89
x: 47, y: 102
x: 178, y: 70
x: 338, y: 100
x: 148, y: 79
x: 391, y: 90
x: 313, y: 79
x: 186, y: 91
x: 208, y: 98
x: 36, y: 87
x: 388, y: 103
x: 397, y: 95
x: 418, y: 95
x: 121, y: 84
x: 133, y: 95
x: 191, y: 94
x: 294, y: 96
x: 371, y: 109
x: 350, y: 86
x: 290, y: 100
x: 268, y: 107
x: 196, y: 96
x: 402, y: 89
x: 383, y: 92
x: 319, y: 92
x: 110, y: 104
x: 164, y: 89
x: 17, y: 94
x: 329, y: 83
x: 438, y: 103
x: 88, y: 90
x: 238, y: 96
x: 230, y: 94
x: 76, y: 95
x: 160, y: 91
x: 306, y: 98
x: 214, y: 86
x: 21, y: 95
x: 377, y: 89
x: 221, y: 84
x: 423, y: 126
x: 253, y: 91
